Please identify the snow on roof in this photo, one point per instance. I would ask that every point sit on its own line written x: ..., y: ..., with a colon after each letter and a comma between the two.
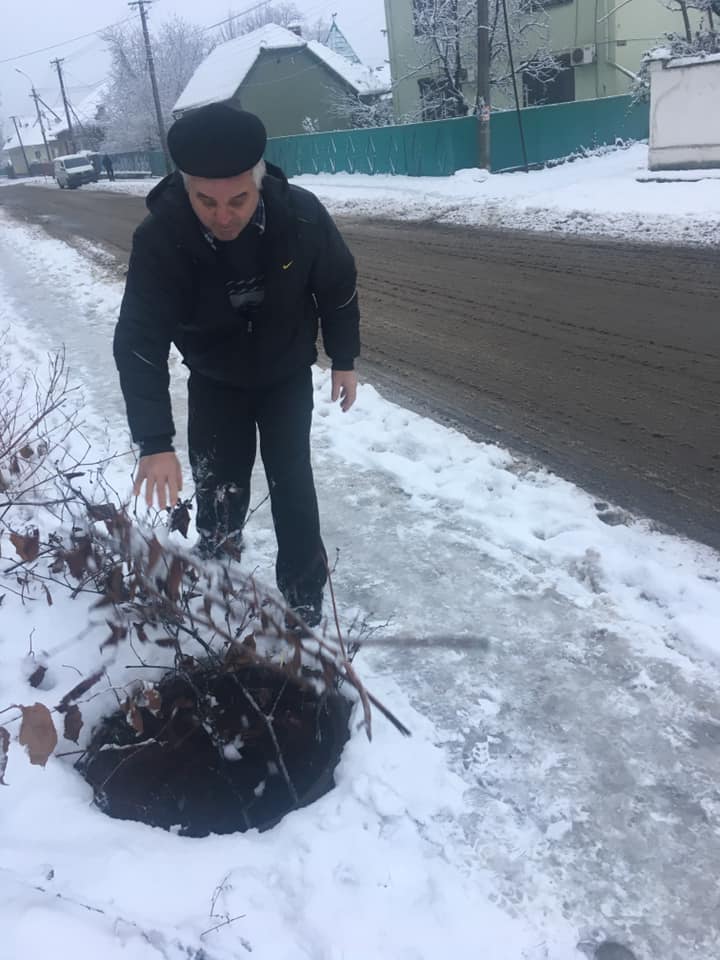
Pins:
x: 659, y: 53
x: 337, y: 41
x: 86, y: 110
x: 695, y: 59
x: 224, y: 70
x: 671, y: 60
x: 364, y: 79
x: 221, y: 73
x: 30, y: 134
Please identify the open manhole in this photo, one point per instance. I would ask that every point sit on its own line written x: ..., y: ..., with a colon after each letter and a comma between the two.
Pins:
x: 218, y: 751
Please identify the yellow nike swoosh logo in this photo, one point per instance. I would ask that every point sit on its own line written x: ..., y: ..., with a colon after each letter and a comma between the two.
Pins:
x: 286, y: 266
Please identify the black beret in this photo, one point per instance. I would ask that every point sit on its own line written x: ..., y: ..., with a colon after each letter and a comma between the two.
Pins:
x: 217, y: 141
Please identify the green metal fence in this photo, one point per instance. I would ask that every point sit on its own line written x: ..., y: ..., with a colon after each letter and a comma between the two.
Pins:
x: 414, y: 149
x: 563, y: 129
x: 444, y: 146
x: 139, y: 163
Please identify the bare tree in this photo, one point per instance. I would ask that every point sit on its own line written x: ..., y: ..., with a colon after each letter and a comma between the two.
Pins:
x: 362, y: 110
x: 318, y: 30
x: 446, y: 32
x: 178, y: 48
x: 687, y: 42
x: 444, y: 29
x: 283, y: 14
x: 705, y: 37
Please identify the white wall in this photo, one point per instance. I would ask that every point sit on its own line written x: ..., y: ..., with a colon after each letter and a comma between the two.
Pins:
x: 684, y: 114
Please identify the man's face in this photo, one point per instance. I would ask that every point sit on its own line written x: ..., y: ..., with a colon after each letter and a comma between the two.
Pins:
x: 225, y: 207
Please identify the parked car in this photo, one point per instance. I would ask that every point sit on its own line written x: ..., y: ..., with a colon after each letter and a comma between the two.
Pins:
x: 74, y: 170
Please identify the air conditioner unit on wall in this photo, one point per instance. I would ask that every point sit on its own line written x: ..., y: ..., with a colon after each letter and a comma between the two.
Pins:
x: 581, y: 56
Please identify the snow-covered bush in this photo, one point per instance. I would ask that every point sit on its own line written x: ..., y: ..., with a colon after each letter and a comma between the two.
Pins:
x: 65, y: 534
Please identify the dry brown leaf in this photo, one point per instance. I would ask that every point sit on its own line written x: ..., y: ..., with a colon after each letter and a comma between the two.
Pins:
x: 117, y: 633
x: 73, y: 723
x: 180, y: 518
x: 37, y: 676
x: 79, y: 690
x: 172, y: 587
x: 155, y: 551
x: 101, y: 511
x: 166, y: 642
x: 26, y: 452
x: 118, y: 525
x: 4, y: 748
x: 207, y: 606
x: 77, y: 559
x: 134, y: 717
x: 38, y: 733
x: 27, y: 546
x: 48, y: 595
x: 116, y: 585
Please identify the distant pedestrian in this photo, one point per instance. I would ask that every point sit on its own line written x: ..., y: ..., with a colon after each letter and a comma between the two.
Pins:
x: 109, y: 169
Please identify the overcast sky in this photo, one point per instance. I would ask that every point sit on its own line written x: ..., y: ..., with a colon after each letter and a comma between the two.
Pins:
x: 46, y: 22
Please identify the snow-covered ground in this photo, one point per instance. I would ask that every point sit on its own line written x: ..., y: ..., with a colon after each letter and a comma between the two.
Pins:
x: 560, y: 674
x: 611, y: 194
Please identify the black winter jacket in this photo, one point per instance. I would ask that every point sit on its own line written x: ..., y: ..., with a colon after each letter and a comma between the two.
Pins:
x: 176, y: 293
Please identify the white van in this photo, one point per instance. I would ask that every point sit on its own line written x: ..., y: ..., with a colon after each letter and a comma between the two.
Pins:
x: 73, y: 170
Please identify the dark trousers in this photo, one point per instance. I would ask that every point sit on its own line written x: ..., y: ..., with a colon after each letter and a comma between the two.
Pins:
x: 223, y: 422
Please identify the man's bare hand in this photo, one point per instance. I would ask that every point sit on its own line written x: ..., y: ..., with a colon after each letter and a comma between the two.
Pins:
x: 344, y: 388
x: 162, y: 475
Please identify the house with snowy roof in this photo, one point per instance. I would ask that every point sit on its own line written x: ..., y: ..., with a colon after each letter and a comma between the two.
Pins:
x: 295, y: 85
x: 25, y: 151
x: 88, y: 117
x: 337, y: 41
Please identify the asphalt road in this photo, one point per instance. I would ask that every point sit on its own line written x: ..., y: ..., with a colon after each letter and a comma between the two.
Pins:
x: 599, y: 359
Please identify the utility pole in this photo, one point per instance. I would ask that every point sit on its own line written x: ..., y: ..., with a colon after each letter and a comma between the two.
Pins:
x: 36, y: 97
x: 22, y: 145
x: 56, y: 64
x: 482, y: 102
x: 153, y: 80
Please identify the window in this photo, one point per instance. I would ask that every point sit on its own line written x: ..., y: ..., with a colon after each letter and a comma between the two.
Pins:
x: 437, y: 99
x: 549, y: 84
x: 422, y: 16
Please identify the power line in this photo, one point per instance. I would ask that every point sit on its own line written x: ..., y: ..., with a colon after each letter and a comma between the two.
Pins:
x: 119, y: 23
x: 315, y: 8
x: 242, y: 13
x: 63, y: 43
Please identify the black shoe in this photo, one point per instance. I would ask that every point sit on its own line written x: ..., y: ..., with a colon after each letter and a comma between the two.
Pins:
x: 212, y: 548
x: 304, y: 615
